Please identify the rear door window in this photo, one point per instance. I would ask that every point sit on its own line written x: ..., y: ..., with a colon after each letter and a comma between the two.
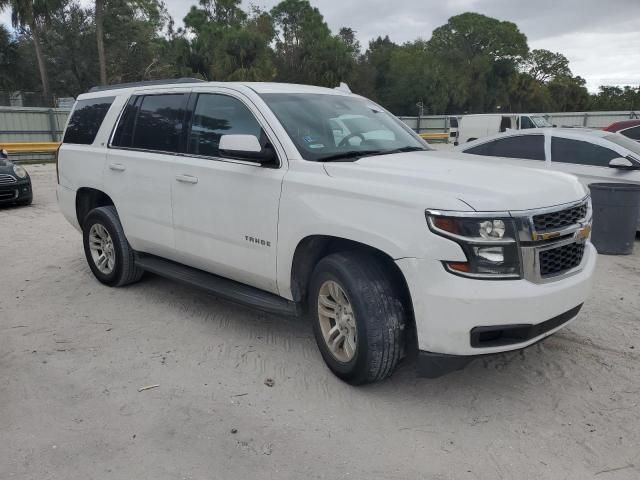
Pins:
x: 528, y: 147
x: 153, y: 122
x: 216, y: 115
x: 567, y: 150
x: 86, y: 119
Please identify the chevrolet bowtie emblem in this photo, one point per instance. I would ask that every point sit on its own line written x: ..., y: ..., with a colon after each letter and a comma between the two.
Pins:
x: 584, y: 232
x: 545, y: 236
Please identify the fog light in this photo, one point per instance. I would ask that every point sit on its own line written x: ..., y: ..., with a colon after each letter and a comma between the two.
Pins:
x: 491, y: 254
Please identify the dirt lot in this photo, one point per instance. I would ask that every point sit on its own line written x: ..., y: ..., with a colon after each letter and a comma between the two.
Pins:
x: 74, y: 353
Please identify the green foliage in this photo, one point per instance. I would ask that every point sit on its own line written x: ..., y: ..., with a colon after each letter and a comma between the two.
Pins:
x: 543, y: 65
x: 478, y: 55
x: 305, y: 49
x: 473, y: 63
x: 230, y: 44
x: 616, y: 98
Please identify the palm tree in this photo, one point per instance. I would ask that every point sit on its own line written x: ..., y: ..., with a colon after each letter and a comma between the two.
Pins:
x: 31, y: 15
x: 100, y: 41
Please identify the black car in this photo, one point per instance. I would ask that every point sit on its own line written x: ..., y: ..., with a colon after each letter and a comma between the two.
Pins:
x: 15, y: 184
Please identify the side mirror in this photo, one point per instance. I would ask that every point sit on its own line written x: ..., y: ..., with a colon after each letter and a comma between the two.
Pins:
x: 245, y: 147
x: 623, y: 164
x: 4, y: 153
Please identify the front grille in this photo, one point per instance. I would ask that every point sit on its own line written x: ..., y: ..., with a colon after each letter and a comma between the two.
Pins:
x: 7, y: 179
x: 560, y: 219
x: 561, y: 259
x: 8, y: 194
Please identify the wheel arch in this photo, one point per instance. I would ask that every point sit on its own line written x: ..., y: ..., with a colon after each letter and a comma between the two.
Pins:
x: 89, y: 198
x: 311, y: 249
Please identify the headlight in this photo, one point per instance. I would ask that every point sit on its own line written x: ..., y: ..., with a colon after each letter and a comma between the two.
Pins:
x: 19, y: 171
x: 490, y: 245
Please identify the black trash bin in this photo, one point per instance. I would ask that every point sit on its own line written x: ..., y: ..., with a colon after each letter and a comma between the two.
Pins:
x: 616, y: 211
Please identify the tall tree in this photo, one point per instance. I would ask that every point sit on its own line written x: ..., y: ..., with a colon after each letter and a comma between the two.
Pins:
x: 475, y: 51
x: 8, y: 58
x: 544, y: 65
x: 305, y: 49
x: 102, y: 61
x: 31, y: 16
x: 229, y: 43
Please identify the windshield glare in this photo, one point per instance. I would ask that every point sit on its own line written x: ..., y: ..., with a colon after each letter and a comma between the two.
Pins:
x: 540, y: 122
x: 323, y: 126
x: 625, y: 142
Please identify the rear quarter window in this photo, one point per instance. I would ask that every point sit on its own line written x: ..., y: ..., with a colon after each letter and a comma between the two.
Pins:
x: 86, y: 119
x: 567, y: 150
x: 633, y: 133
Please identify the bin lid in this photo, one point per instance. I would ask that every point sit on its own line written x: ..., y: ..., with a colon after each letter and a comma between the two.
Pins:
x: 615, y: 186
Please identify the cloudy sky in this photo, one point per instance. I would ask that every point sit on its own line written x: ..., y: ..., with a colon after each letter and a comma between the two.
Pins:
x: 601, y: 38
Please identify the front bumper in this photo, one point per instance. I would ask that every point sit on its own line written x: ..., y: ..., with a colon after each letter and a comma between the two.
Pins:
x: 433, y: 365
x: 447, y: 308
x: 16, y: 192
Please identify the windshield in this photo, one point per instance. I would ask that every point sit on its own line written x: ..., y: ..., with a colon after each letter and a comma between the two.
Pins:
x: 625, y: 142
x: 540, y: 122
x: 337, y: 127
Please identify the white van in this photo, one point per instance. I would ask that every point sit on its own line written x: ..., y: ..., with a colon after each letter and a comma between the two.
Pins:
x: 472, y: 127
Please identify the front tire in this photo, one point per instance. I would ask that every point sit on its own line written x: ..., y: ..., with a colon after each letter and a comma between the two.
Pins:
x: 108, y: 253
x: 358, y: 317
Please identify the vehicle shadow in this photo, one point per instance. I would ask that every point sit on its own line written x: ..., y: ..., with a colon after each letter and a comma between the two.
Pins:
x: 515, y: 374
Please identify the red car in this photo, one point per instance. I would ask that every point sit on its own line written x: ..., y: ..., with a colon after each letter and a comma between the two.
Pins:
x: 628, y: 128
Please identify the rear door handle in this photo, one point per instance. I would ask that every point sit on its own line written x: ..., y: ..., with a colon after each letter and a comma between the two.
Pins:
x: 187, y: 179
x: 117, y: 167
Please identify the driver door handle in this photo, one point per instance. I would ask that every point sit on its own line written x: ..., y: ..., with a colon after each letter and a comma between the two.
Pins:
x: 187, y: 179
x: 117, y: 167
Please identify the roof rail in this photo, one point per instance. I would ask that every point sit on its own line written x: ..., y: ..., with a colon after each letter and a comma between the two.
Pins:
x: 101, y: 88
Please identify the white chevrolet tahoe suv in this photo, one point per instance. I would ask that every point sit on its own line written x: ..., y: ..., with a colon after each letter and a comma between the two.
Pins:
x: 302, y: 200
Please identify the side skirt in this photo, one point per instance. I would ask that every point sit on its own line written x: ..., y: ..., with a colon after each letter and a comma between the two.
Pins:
x: 222, y: 287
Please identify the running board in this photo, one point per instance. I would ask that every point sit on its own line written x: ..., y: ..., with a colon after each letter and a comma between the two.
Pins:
x: 222, y: 287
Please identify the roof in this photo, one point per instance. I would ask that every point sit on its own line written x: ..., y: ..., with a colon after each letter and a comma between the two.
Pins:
x: 621, y: 125
x: 499, y: 114
x: 258, y: 87
x: 551, y: 130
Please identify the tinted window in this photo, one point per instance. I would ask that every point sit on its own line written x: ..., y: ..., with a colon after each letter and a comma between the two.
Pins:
x: 158, y: 125
x: 124, y: 132
x: 86, y: 120
x: 453, y: 122
x: 217, y: 115
x: 633, y: 133
x: 565, y: 150
x: 529, y: 147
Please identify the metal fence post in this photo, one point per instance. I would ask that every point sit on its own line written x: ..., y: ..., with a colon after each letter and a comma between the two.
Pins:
x: 53, y: 127
x: 585, y: 121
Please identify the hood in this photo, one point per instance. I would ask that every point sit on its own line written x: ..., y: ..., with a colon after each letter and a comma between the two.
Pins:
x: 444, y: 177
x: 6, y: 166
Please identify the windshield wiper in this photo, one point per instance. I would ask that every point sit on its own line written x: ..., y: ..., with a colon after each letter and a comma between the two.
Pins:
x: 355, y: 154
x: 351, y: 154
x: 405, y: 149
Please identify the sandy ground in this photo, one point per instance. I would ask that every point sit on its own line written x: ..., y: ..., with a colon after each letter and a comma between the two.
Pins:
x: 74, y: 353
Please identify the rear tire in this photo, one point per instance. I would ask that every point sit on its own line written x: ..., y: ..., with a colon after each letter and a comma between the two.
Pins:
x: 109, y: 255
x: 366, y: 299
